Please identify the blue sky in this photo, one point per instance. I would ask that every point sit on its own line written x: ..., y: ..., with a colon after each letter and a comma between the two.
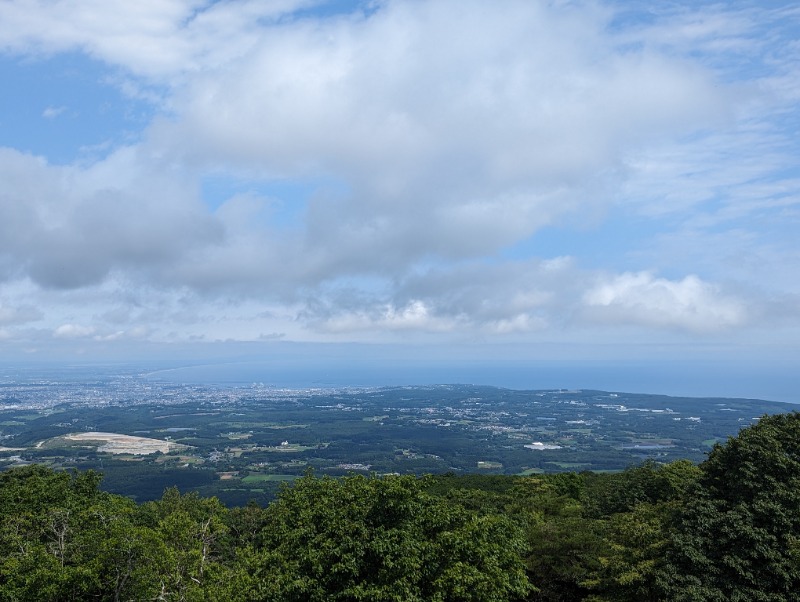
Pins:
x: 586, y: 181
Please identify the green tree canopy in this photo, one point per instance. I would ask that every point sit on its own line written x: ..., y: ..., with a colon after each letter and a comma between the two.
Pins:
x: 737, y: 536
x: 385, y: 539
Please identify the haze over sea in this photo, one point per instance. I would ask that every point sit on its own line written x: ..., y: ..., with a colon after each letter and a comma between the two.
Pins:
x: 692, y: 379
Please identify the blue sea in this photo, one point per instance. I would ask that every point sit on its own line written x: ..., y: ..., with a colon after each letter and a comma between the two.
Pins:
x: 304, y: 367
x: 691, y: 379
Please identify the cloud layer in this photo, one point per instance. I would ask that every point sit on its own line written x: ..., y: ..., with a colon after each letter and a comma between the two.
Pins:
x: 401, y: 170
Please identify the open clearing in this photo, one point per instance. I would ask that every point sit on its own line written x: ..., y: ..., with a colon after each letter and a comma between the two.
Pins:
x: 114, y: 443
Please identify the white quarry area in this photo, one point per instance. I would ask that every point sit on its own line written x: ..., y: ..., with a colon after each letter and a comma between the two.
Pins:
x: 114, y: 443
x: 538, y: 445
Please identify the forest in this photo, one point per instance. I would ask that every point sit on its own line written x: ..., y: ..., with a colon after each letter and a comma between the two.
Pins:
x: 725, y: 529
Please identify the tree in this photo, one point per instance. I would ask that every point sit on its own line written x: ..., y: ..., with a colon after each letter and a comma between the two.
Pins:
x: 383, y: 539
x: 737, y: 536
x: 629, y: 562
x: 190, y: 532
x: 47, y: 547
x: 648, y: 482
x: 563, y: 545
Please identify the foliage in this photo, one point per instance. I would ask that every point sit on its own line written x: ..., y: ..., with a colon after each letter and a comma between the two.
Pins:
x: 647, y: 483
x: 728, y: 529
x: 386, y: 539
x: 736, y: 538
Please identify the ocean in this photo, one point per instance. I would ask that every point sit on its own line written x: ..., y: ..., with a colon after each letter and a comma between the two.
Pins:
x: 690, y: 379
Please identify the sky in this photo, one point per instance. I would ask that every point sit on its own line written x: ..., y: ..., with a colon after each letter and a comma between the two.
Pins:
x: 403, y: 180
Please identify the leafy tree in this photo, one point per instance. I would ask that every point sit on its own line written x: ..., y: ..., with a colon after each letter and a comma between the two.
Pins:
x: 563, y: 545
x: 383, y: 540
x: 649, y: 482
x: 737, y: 536
x: 628, y: 564
x: 47, y: 548
x: 192, y: 530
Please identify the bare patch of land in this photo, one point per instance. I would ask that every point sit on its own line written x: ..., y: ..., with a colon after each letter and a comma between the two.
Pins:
x: 114, y: 443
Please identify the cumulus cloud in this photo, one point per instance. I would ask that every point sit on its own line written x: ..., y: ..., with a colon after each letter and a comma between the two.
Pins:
x: 452, y: 125
x: 154, y: 38
x: 535, y: 296
x: 73, y: 331
x: 473, y: 299
x: 413, y: 316
x: 68, y: 227
x: 641, y: 298
x: 440, y: 139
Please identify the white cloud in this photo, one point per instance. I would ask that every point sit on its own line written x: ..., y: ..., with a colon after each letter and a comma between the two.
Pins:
x: 443, y: 138
x: 521, y: 323
x: 73, y: 331
x: 452, y: 127
x: 53, y: 112
x: 158, y: 39
x: 414, y: 316
x: 69, y: 227
x: 642, y: 299
x: 475, y: 299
